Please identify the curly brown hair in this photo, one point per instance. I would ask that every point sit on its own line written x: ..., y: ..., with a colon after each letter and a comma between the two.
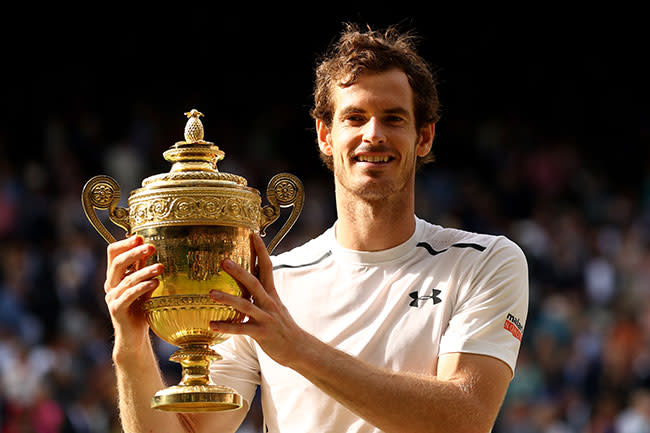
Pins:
x: 358, y: 51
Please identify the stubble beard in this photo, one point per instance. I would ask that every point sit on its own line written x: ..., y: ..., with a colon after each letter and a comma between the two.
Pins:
x: 371, y: 192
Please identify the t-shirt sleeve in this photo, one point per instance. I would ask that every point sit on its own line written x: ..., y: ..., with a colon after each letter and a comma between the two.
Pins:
x: 492, y: 305
x: 239, y: 368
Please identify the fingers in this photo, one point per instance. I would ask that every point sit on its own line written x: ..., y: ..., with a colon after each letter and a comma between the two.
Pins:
x: 117, y: 248
x: 264, y: 263
x: 240, y: 304
x: 246, y: 279
x: 230, y: 328
x: 117, y: 268
x: 116, y: 305
x: 144, y: 274
x: 133, y: 286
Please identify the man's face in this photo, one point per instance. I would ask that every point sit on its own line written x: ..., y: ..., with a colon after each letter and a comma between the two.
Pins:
x: 373, y: 140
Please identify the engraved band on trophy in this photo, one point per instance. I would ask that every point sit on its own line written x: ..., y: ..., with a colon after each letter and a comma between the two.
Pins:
x: 195, y: 216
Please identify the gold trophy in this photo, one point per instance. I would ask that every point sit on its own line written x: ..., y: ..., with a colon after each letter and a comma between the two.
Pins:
x: 196, y: 217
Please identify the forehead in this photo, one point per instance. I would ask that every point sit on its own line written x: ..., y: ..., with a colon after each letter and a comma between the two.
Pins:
x: 376, y: 90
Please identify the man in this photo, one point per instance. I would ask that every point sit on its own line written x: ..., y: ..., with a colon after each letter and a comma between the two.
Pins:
x: 383, y: 323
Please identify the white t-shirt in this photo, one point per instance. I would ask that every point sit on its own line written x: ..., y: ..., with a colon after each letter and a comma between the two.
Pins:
x: 442, y: 291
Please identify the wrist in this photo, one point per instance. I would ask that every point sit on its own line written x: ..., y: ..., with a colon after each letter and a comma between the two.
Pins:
x: 130, y: 350
x: 306, y: 352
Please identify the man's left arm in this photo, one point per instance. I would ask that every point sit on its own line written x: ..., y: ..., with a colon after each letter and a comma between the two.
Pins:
x: 464, y: 395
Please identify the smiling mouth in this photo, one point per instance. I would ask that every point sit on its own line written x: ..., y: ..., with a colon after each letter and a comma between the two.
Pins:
x: 373, y: 158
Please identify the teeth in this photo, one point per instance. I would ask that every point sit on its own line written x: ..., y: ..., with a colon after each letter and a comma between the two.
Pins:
x: 367, y: 158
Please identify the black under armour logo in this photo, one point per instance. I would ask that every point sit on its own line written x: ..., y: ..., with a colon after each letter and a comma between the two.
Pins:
x: 434, y: 297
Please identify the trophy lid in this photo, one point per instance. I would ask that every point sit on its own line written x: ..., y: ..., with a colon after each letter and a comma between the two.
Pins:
x: 193, y: 159
x: 193, y: 193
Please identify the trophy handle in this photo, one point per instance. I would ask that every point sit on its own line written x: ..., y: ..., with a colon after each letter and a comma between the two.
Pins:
x: 103, y: 192
x: 284, y: 190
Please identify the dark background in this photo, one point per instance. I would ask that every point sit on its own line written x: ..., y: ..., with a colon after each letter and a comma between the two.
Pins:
x: 564, y: 76
x: 539, y: 140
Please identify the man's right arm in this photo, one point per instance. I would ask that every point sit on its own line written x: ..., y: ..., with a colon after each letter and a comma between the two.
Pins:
x: 138, y: 378
x: 136, y: 366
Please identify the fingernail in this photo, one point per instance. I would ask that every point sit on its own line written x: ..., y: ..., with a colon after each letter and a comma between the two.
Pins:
x: 215, y: 293
x: 227, y: 263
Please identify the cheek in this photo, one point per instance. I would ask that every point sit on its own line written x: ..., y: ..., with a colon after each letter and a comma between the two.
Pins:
x: 338, y: 158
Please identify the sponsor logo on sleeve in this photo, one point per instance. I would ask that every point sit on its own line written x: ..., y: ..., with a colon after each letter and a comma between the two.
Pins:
x: 514, y: 326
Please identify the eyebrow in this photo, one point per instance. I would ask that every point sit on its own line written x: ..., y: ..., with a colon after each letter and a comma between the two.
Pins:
x: 354, y: 109
x: 398, y: 110
x: 350, y: 109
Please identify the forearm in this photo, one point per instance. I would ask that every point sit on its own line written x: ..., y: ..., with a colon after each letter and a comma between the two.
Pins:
x: 138, y: 379
x: 393, y: 401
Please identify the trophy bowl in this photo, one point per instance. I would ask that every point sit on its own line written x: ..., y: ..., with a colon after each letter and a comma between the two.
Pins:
x: 196, y: 217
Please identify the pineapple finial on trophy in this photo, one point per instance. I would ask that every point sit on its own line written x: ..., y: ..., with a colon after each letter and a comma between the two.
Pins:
x: 194, y: 127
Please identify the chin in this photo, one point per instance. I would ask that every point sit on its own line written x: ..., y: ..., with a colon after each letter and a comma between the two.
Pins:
x: 375, y: 191
x: 372, y: 188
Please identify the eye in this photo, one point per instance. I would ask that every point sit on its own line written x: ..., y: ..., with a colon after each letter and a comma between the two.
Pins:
x: 395, y: 119
x: 354, y: 118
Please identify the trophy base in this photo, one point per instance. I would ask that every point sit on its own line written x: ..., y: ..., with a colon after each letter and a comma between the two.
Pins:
x: 196, y: 398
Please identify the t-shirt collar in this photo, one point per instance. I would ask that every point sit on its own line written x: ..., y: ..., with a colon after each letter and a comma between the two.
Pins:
x: 375, y: 257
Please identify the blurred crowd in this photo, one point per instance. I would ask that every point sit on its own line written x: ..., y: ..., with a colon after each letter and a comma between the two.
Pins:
x: 584, y: 365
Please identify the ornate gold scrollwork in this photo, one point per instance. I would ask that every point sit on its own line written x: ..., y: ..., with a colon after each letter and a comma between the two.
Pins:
x: 195, y: 207
x: 284, y: 190
x: 103, y: 193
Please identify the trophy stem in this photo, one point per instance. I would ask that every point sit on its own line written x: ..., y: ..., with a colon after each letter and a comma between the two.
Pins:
x: 195, y: 360
x: 196, y: 392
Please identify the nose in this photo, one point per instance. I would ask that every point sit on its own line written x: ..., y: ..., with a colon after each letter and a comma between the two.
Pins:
x: 373, y: 132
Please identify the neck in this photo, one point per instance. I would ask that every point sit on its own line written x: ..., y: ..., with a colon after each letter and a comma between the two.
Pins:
x: 374, y: 225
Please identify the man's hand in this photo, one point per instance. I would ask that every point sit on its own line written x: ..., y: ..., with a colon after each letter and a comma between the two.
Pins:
x: 125, y: 284
x: 269, y: 322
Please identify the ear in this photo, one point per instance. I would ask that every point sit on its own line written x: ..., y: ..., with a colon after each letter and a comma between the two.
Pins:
x: 324, y: 137
x: 427, y: 132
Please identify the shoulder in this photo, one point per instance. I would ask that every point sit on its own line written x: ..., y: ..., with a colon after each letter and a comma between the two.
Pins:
x: 311, y: 252
x: 437, y: 239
